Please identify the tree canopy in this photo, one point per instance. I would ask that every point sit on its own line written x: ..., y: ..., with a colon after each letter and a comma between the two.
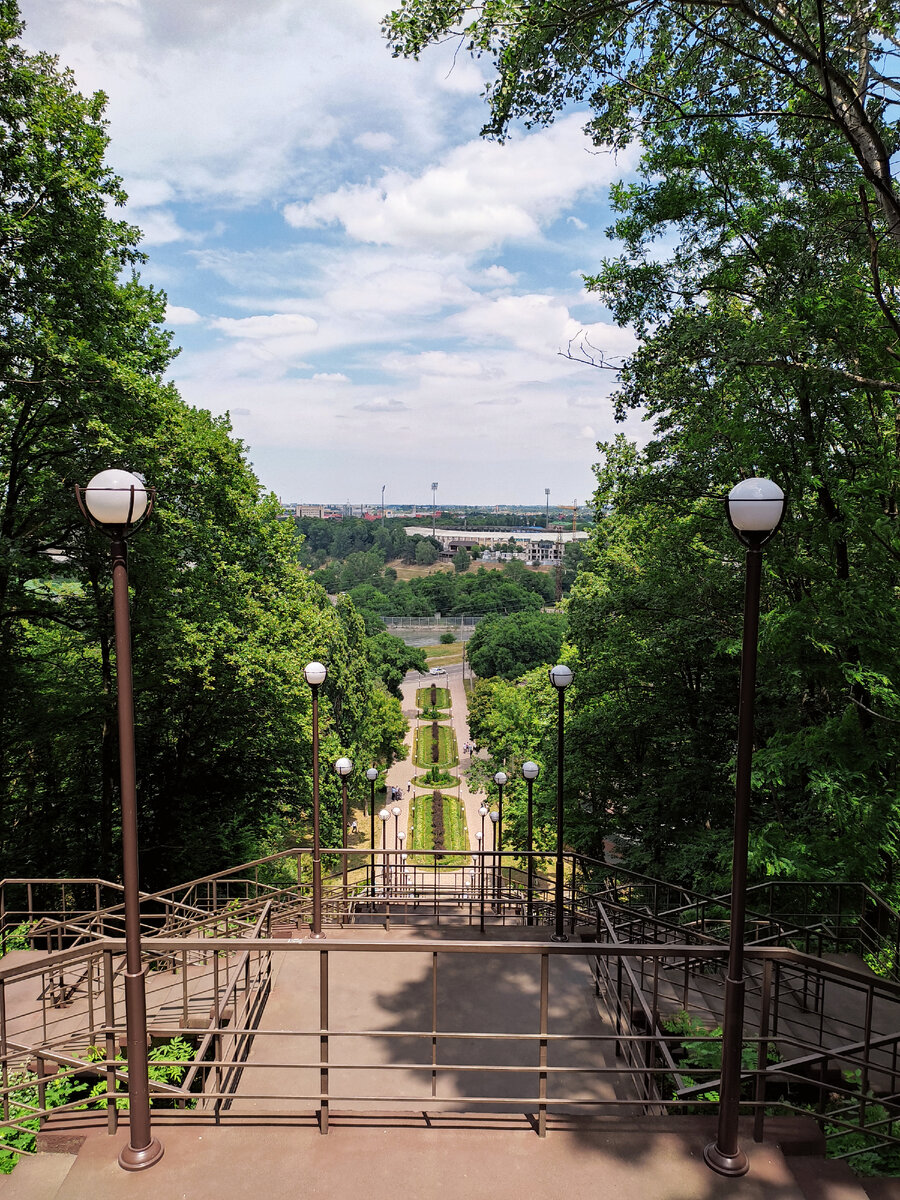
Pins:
x: 758, y: 263
x: 224, y: 617
x: 510, y: 646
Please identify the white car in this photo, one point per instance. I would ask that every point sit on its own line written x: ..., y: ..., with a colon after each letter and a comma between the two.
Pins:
x: 438, y: 671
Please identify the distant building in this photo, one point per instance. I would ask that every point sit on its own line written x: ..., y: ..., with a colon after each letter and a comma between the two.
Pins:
x: 536, y: 547
x: 309, y: 510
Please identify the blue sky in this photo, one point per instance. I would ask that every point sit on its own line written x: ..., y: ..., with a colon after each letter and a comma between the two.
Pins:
x: 376, y: 295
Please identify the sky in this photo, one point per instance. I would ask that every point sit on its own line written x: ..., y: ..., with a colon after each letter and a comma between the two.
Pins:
x: 375, y: 294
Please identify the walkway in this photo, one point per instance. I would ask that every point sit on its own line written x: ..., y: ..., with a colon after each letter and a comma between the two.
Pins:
x: 425, y: 1159
x: 401, y: 773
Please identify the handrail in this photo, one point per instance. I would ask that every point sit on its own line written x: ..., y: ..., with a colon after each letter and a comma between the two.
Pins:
x: 220, y: 1006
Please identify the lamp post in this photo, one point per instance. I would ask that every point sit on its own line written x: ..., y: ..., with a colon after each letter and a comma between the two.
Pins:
x: 560, y: 676
x: 479, y: 837
x: 395, y: 864
x: 372, y: 775
x: 117, y: 502
x: 755, y: 509
x: 315, y: 674
x: 401, y: 859
x: 383, y: 486
x: 495, y: 818
x: 547, y: 494
x: 343, y: 767
x: 383, y: 815
x: 433, y: 498
x: 500, y: 779
x: 530, y: 771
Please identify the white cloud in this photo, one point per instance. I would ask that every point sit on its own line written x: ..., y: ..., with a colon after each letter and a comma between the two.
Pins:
x: 478, y: 196
x: 588, y: 431
x: 375, y: 141
x: 382, y: 405
x: 221, y: 98
x: 265, y: 327
x: 330, y: 377
x: 159, y: 227
x: 181, y: 316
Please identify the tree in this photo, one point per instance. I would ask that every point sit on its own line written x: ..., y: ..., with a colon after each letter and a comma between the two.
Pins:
x: 391, y: 658
x: 510, y: 646
x: 223, y: 617
x: 462, y: 560
x: 770, y: 343
x: 426, y: 552
x: 651, y: 70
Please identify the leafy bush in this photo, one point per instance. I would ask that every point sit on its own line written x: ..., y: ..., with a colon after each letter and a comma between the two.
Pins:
x: 16, y: 939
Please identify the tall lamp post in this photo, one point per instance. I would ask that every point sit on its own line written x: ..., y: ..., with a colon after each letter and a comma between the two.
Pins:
x: 343, y: 767
x: 755, y: 509
x: 547, y: 494
x: 117, y: 502
x: 530, y: 771
x: 560, y: 676
x: 500, y: 779
x: 315, y: 674
x: 479, y: 838
x: 383, y: 817
x: 372, y: 775
x: 433, y: 498
x: 401, y: 860
x: 383, y: 486
x: 395, y: 813
x: 495, y: 818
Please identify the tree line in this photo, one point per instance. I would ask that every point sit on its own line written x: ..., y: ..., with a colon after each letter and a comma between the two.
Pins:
x: 224, y: 616
x: 757, y: 260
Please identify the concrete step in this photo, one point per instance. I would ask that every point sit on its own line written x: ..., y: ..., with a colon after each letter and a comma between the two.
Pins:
x: 827, y: 1179
x: 36, y: 1178
x: 882, y: 1189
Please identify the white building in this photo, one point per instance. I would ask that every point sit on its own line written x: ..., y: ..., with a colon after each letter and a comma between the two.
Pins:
x: 536, y: 547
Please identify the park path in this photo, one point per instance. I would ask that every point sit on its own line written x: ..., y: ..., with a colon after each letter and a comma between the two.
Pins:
x: 401, y: 773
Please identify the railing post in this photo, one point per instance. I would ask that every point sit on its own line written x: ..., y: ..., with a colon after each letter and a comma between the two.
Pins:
x: 4, y: 1069
x: 434, y: 1009
x: 762, y: 1054
x: 542, y: 1063
x: 323, y: 1040
x: 109, y: 1011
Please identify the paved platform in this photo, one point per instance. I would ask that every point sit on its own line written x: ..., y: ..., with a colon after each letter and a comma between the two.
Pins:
x: 441, y: 1158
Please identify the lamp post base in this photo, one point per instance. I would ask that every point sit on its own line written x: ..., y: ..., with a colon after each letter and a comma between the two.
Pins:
x: 559, y: 937
x: 316, y: 937
x: 138, y: 1160
x: 726, y: 1164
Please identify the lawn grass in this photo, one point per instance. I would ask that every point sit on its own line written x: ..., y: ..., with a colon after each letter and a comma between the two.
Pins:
x: 456, y: 833
x: 423, y: 697
x: 416, y: 571
x: 447, y: 752
x: 443, y: 656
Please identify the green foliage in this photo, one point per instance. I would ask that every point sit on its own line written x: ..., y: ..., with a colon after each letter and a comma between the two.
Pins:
x: 462, y: 560
x: 223, y: 617
x: 16, y: 938
x: 163, y: 1067
x: 427, y: 552
x: 768, y: 345
x: 510, y: 646
x: 58, y: 1091
x: 442, y: 698
x: 167, y: 1063
x: 447, y: 639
